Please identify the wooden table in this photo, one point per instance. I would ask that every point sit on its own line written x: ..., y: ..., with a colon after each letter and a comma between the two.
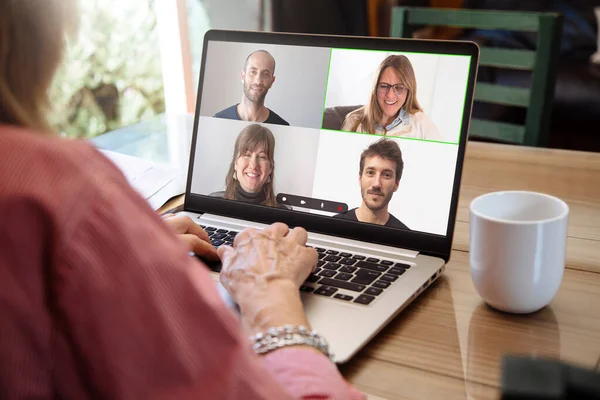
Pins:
x: 448, y: 344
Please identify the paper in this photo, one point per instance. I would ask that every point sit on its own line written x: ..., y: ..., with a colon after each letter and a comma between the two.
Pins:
x: 157, y: 183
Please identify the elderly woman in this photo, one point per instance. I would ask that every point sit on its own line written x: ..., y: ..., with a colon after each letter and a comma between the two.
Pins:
x: 393, y: 109
x: 252, y: 170
x: 98, y: 297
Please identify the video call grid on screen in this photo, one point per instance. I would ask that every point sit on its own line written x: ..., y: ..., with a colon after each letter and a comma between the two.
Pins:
x: 322, y: 163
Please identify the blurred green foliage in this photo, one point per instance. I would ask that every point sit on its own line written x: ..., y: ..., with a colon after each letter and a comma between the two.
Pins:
x: 111, y: 75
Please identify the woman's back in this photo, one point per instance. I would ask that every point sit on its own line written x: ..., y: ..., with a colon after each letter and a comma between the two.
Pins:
x: 98, y: 298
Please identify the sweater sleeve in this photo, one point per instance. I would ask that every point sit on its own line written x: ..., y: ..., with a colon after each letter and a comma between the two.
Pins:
x: 308, y: 374
x: 145, y: 319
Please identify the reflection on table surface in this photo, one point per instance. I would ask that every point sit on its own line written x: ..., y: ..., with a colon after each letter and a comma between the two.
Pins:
x: 449, y: 344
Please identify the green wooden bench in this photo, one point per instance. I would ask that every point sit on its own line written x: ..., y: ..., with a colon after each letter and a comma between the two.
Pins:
x: 542, y: 63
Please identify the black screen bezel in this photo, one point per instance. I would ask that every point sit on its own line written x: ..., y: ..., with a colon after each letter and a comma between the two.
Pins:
x: 426, y: 243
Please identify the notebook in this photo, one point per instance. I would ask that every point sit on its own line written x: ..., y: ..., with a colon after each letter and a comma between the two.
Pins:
x: 358, y: 140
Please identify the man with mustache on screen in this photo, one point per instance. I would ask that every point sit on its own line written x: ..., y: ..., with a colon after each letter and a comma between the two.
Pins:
x: 258, y: 77
x: 380, y: 170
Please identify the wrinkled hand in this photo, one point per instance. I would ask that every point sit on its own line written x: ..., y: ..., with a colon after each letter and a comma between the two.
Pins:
x: 192, y: 235
x: 260, y: 258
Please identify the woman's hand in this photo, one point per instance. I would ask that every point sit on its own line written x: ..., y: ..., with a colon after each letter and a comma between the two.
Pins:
x: 192, y: 235
x: 263, y: 273
x: 259, y: 258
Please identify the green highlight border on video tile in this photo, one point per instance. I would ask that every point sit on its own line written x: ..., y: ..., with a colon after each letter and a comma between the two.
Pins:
x: 389, y: 137
x: 400, y: 52
x: 326, y: 86
x: 464, y: 97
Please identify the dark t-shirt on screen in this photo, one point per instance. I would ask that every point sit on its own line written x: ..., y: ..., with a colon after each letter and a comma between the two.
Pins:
x: 231, y: 113
x: 392, y: 221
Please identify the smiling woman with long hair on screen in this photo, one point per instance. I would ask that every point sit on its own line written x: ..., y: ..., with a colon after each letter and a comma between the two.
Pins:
x: 251, y: 174
x: 393, y: 108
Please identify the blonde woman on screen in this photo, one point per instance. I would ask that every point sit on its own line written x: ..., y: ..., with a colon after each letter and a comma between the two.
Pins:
x: 393, y: 109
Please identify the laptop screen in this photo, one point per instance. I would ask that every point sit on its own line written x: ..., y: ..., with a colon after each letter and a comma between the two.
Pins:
x: 348, y: 133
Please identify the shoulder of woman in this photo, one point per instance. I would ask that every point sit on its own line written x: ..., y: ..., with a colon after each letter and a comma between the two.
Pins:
x: 428, y: 129
x: 46, y: 157
x: 352, y: 118
x: 357, y: 113
x: 66, y: 176
x: 420, y: 117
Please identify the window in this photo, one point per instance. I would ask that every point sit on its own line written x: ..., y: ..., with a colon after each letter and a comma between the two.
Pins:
x: 111, y: 75
x: 219, y: 14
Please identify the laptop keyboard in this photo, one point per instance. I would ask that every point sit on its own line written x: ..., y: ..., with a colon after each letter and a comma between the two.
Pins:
x: 340, y: 275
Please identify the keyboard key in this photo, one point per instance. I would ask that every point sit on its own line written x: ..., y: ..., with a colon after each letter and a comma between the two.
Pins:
x: 307, y: 289
x: 219, y: 236
x: 345, y: 255
x: 215, y: 267
x: 347, y: 261
x: 326, y: 291
x: 348, y: 269
x: 381, y: 284
x: 322, y: 256
x: 230, y: 237
x: 313, y: 278
x: 342, y: 276
x: 333, y: 252
x: 342, y: 285
x: 364, y: 299
x: 210, y: 229
x: 373, y: 260
x: 371, y: 266
x: 402, y: 265
x: 320, y: 263
x: 373, y: 291
x: 203, y: 227
x: 228, y: 243
x: 357, y: 257
x: 328, y: 273
x: 317, y: 270
x: 332, y: 266
x: 222, y: 231
x: 366, y: 277
x: 320, y: 250
x: 332, y: 258
x: 386, y: 262
x: 217, y: 242
x: 389, y: 277
x: 212, y: 265
x: 344, y: 297
x: 396, y: 271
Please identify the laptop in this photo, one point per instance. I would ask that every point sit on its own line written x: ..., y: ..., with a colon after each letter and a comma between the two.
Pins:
x: 379, y: 202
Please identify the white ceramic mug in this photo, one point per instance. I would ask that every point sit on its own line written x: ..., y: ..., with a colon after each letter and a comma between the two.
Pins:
x: 517, y: 251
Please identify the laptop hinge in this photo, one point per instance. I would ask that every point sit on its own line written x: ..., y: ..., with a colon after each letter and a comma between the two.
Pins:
x: 314, y: 239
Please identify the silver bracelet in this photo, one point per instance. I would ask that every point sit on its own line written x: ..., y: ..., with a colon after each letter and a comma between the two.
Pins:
x: 289, y: 335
